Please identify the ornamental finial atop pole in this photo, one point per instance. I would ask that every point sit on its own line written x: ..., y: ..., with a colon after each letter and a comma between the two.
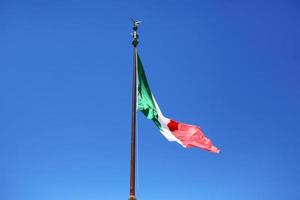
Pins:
x: 135, y: 36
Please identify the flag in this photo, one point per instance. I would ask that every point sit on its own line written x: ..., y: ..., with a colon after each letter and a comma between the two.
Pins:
x: 184, y: 134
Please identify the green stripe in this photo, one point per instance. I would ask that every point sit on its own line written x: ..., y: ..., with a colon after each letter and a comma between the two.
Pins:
x: 145, y: 100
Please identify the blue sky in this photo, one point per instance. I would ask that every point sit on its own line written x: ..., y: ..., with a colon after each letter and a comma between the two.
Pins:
x: 231, y: 67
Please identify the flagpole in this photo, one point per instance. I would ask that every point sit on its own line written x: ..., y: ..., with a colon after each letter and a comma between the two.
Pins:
x: 133, y: 113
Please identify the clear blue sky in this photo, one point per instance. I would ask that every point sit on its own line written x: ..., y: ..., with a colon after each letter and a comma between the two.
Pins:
x: 231, y: 67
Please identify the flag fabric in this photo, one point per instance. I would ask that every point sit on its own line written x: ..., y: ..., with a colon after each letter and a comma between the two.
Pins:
x: 184, y: 134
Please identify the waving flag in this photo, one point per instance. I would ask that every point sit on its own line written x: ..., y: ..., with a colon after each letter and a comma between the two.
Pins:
x: 184, y: 134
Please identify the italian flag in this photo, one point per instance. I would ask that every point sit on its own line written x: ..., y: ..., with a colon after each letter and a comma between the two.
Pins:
x: 184, y: 134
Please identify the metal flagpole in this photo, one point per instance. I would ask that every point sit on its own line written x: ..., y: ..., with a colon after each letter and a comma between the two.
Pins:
x: 133, y: 118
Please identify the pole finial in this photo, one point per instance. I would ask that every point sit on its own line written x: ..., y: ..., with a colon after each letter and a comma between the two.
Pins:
x: 135, y: 36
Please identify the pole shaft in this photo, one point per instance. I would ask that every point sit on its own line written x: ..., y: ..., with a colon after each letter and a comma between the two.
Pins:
x: 133, y: 129
x: 133, y: 112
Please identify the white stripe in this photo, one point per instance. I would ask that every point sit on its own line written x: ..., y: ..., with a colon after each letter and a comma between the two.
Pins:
x: 165, y: 131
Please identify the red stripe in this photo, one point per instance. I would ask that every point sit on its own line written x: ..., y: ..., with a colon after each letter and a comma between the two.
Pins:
x: 191, y: 136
